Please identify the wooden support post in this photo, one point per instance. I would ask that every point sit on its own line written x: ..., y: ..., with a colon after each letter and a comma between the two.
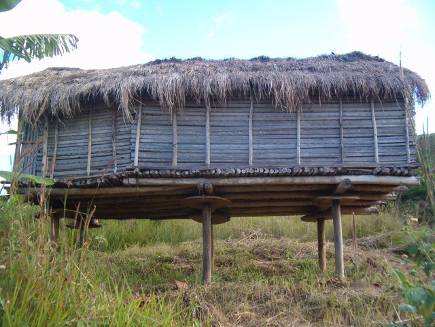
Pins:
x: 341, y: 133
x: 137, y: 143
x: 212, y: 245
x: 114, y: 139
x: 353, y: 231
x: 207, y: 136
x: 298, y: 137
x: 321, y: 244
x: 54, y: 228
x: 17, y: 154
x: 375, y: 132
x: 251, y: 148
x: 174, y: 139
x: 88, y: 165
x: 206, y: 244
x: 408, y: 150
x: 338, y: 239
x: 82, y: 232
x: 45, y: 149
x: 53, y: 159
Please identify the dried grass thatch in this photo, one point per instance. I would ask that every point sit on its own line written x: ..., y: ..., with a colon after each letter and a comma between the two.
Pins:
x: 286, y: 82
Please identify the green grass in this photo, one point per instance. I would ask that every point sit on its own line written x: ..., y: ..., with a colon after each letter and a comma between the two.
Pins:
x: 147, y: 273
x: 117, y: 235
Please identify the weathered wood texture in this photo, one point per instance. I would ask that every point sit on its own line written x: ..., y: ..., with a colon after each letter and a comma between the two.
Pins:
x: 240, y: 135
x: 338, y: 238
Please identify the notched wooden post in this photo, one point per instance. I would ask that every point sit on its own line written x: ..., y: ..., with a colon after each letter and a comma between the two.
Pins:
x: 207, y: 203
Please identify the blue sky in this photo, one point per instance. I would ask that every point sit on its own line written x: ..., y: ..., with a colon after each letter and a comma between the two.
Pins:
x: 120, y: 32
x: 229, y: 28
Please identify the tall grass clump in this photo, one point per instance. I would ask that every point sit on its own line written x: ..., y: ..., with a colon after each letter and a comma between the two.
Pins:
x: 46, y: 285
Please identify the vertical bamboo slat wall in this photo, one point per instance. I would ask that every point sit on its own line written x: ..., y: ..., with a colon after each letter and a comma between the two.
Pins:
x: 238, y: 134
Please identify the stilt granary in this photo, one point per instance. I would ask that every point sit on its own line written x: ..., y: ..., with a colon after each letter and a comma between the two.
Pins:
x: 215, y: 139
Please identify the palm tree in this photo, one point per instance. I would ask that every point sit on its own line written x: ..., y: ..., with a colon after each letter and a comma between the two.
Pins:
x: 32, y: 46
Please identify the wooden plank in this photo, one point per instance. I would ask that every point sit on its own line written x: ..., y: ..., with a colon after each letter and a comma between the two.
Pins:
x: 118, y: 191
x: 137, y: 143
x: 206, y: 245
x: 89, y: 160
x: 338, y: 239
x: 321, y: 244
x: 174, y: 139
x: 114, y: 139
x: 298, y: 137
x: 45, y: 149
x: 54, y: 157
x: 207, y: 136
x: 375, y: 132
x: 251, y: 148
x: 341, y: 133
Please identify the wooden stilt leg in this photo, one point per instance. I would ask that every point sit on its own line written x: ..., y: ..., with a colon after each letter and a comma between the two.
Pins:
x: 338, y: 239
x: 54, y: 229
x: 207, y: 244
x: 212, y: 247
x: 321, y: 244
x: 82, y: 233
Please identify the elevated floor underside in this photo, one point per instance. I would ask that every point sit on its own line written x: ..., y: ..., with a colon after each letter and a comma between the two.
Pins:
x: 136, y: 195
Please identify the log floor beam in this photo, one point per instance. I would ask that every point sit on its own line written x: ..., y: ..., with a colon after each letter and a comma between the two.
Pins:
x: 338, y: 238
x: 321, y: 244
x: 207, y: 244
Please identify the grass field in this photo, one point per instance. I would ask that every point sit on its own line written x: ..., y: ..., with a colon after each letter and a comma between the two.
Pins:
x: 148, y: 273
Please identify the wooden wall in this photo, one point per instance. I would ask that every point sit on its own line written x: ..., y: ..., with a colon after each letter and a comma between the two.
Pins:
x: 238, y: 134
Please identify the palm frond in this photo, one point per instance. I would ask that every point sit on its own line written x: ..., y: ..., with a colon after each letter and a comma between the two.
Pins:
x: 33, y: 46
x: 6, y: 5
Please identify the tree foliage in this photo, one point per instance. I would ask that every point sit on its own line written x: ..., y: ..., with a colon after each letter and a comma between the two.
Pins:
x: 34, y: 46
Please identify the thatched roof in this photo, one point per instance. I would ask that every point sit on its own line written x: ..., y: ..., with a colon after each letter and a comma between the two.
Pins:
x: 287, y: 82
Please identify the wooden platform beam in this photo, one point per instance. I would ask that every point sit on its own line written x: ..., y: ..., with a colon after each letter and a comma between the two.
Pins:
x: 238, y: 181
x: 338, y: 238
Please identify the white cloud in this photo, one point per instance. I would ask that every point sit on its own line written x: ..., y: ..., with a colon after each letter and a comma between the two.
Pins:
x: 106, y: 40
x: 386, y: 28
x: 218, y: 22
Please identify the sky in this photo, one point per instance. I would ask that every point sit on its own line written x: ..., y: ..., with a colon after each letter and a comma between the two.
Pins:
x: 119, y: 32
